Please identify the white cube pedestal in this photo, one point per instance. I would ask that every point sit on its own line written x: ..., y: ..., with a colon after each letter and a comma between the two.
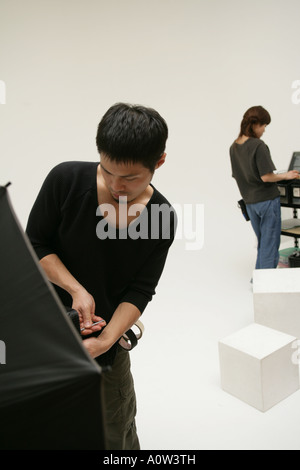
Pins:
x: 257, y: 367
x: 276, y: 299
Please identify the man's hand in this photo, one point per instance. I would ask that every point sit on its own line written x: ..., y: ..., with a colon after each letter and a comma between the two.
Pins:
x: 84, y: 304
x: 123, y: 318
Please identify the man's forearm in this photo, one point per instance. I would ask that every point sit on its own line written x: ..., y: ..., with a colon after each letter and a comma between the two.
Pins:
x: 58, y: 274
x: 82, y: 301
x: 122, y: 320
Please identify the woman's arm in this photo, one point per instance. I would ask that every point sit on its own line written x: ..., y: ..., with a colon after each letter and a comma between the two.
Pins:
x: 274, y: 178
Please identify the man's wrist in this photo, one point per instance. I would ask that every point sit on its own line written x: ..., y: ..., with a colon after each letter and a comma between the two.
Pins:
x: 104, y: 342
x: 74, y: 289
x: 96, y: 347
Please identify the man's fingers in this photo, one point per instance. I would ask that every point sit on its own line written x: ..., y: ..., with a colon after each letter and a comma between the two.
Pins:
x: 101, y: 323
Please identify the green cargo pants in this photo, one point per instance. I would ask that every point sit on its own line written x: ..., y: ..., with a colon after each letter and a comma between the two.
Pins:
x: 120, y: 405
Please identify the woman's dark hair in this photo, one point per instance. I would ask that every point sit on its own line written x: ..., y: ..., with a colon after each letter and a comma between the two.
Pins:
x: 132, y: 134
x: 254, y: 115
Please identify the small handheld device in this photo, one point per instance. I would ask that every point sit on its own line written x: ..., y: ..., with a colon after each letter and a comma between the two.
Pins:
x: 93, y: 324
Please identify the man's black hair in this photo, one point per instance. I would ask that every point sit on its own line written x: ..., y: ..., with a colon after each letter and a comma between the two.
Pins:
x: 132, y: 134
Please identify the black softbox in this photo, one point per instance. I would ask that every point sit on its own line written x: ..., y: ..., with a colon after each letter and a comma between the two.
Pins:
x: 50, y: 389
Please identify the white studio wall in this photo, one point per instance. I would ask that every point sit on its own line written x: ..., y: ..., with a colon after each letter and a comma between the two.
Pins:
x: 201, y: 64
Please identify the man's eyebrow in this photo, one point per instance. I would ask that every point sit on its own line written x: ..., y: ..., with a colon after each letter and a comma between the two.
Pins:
x: 122, y: 176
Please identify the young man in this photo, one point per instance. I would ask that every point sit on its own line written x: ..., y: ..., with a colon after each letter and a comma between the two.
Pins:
x: 93, y: 229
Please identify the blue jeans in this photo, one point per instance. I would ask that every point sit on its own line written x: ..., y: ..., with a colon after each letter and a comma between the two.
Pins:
x: 265, y: 218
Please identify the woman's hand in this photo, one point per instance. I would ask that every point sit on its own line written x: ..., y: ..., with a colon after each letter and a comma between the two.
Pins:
x: 292, y: 175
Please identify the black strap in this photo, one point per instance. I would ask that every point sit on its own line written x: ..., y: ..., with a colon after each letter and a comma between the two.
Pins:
x: 128, y: 341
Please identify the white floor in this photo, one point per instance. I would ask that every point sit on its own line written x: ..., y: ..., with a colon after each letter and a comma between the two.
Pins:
x: 202, y: 298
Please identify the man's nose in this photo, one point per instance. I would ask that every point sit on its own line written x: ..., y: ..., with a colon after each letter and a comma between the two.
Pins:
x: 117, y: 184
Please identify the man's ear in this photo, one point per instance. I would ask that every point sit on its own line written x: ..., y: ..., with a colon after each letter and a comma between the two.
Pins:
x: 161, y: 161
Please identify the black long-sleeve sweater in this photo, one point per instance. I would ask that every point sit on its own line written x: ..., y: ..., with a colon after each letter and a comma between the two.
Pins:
x: 64, y: 221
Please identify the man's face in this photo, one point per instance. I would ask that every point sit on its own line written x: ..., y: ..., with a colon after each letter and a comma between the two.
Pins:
x: 125, y: 179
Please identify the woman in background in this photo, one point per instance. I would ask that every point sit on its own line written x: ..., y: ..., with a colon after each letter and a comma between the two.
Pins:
x: 253, y: 170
